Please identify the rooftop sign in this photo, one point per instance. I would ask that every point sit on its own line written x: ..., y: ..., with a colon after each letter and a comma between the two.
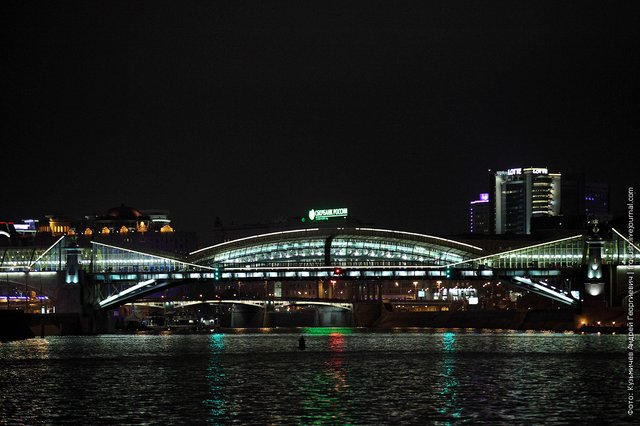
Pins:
x: 534, y: 170
x: 484, y: 198
x: 326, y: 214
x: 538, y: 170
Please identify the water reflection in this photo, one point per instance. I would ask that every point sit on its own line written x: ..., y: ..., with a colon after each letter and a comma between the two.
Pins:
x: 361, y: 378
x: 216, y: 379
x: 328, y: 395
x: 334, y: 367
x: 448, y: 404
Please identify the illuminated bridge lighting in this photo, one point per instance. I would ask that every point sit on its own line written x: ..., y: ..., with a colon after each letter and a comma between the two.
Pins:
x: 45, y: 252
x: 317, y: 253
x: 126, y: 291
x: 546, y: 289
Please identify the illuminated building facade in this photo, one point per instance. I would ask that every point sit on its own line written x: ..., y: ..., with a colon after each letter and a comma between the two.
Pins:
x: 479, y: 214
x: 522, y: 194
x: 56, y: 226
x: 120, y: 226
x: 128, y: 226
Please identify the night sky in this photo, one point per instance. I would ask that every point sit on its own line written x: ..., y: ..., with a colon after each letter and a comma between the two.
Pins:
x: 252, y: 111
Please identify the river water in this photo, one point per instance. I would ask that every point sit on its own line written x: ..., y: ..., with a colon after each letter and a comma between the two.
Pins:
x: 345, y: 376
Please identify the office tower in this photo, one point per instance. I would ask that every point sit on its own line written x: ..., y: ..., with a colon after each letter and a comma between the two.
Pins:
x: 522, y: 194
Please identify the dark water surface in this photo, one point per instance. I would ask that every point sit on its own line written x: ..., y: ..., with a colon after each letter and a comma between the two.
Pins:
x: 343, y: 377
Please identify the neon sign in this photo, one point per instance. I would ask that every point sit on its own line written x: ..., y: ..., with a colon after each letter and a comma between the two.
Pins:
x: 534, y: 170
x: 538, y: 171
x: 326, y: 214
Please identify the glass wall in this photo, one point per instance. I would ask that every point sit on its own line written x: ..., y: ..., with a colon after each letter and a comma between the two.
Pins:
x: 113, y: 259
x: 298, y: 252
x: 565, y: 253
x: 358, y: 250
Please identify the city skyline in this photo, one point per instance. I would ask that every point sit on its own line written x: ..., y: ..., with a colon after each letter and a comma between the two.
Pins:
x: 319, y: 212
x: 251, y: 113
x: 572, y: 210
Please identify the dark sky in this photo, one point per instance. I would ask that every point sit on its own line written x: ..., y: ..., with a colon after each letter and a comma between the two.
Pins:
x: 256, y: 110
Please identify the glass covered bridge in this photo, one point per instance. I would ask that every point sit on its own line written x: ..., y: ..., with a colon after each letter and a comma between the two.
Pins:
x: 308, y: 254
x: 316, y: 248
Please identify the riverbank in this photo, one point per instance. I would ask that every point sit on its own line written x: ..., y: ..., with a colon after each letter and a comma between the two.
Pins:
x: 553, y: 320
x: 13, y: 326
x: 16, y: 325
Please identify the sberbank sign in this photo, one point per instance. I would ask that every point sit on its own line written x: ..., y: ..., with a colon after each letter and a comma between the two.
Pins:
x: 326, y: 214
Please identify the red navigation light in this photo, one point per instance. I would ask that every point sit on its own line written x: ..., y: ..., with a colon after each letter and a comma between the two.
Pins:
x: 337, y: 271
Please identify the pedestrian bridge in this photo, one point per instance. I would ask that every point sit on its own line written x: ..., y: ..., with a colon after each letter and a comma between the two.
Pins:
x: 358, y: 254
x: 259, y: 303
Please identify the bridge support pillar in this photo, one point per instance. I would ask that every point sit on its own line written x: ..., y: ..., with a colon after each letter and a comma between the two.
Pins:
x: 246, y: 316
x: 269, y: 314
x: 233, y: 313
x: 594, y: 286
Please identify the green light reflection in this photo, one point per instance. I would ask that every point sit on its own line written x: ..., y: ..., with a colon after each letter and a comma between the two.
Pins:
x: 328, y: 395
x: 450, y: 404
x: 327, y: 331
x: 217, y: 380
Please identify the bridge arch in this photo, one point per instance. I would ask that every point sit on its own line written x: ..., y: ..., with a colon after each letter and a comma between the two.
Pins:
x: 336, y: 247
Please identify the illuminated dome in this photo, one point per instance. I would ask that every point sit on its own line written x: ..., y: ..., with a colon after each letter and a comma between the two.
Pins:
x: 123, y: 213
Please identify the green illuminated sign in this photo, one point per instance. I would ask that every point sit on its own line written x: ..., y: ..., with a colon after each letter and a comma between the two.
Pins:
x: 326, y: 214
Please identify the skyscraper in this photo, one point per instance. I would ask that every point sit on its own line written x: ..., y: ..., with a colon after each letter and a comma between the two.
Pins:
x: 521, y: 194
x: 583, y: 199
x: 479, y: 214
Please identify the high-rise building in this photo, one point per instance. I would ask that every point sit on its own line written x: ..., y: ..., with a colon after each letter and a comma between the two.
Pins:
x: 584, y: 200
x: 479, y: 215
x: 596, y: 200
x: 521, y: 194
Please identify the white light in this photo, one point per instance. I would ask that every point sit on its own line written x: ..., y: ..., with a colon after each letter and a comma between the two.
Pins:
x: 545, y: 289
x: 418, y: 235
x: 621, y: 236
x: 511, y: 252
x: 254, y: 236
x: 166, y: 259
x: 127, y: 291
x: 45, y: 252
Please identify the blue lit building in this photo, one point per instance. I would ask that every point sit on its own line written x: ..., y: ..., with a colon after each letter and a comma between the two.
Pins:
x: 479, y: 215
